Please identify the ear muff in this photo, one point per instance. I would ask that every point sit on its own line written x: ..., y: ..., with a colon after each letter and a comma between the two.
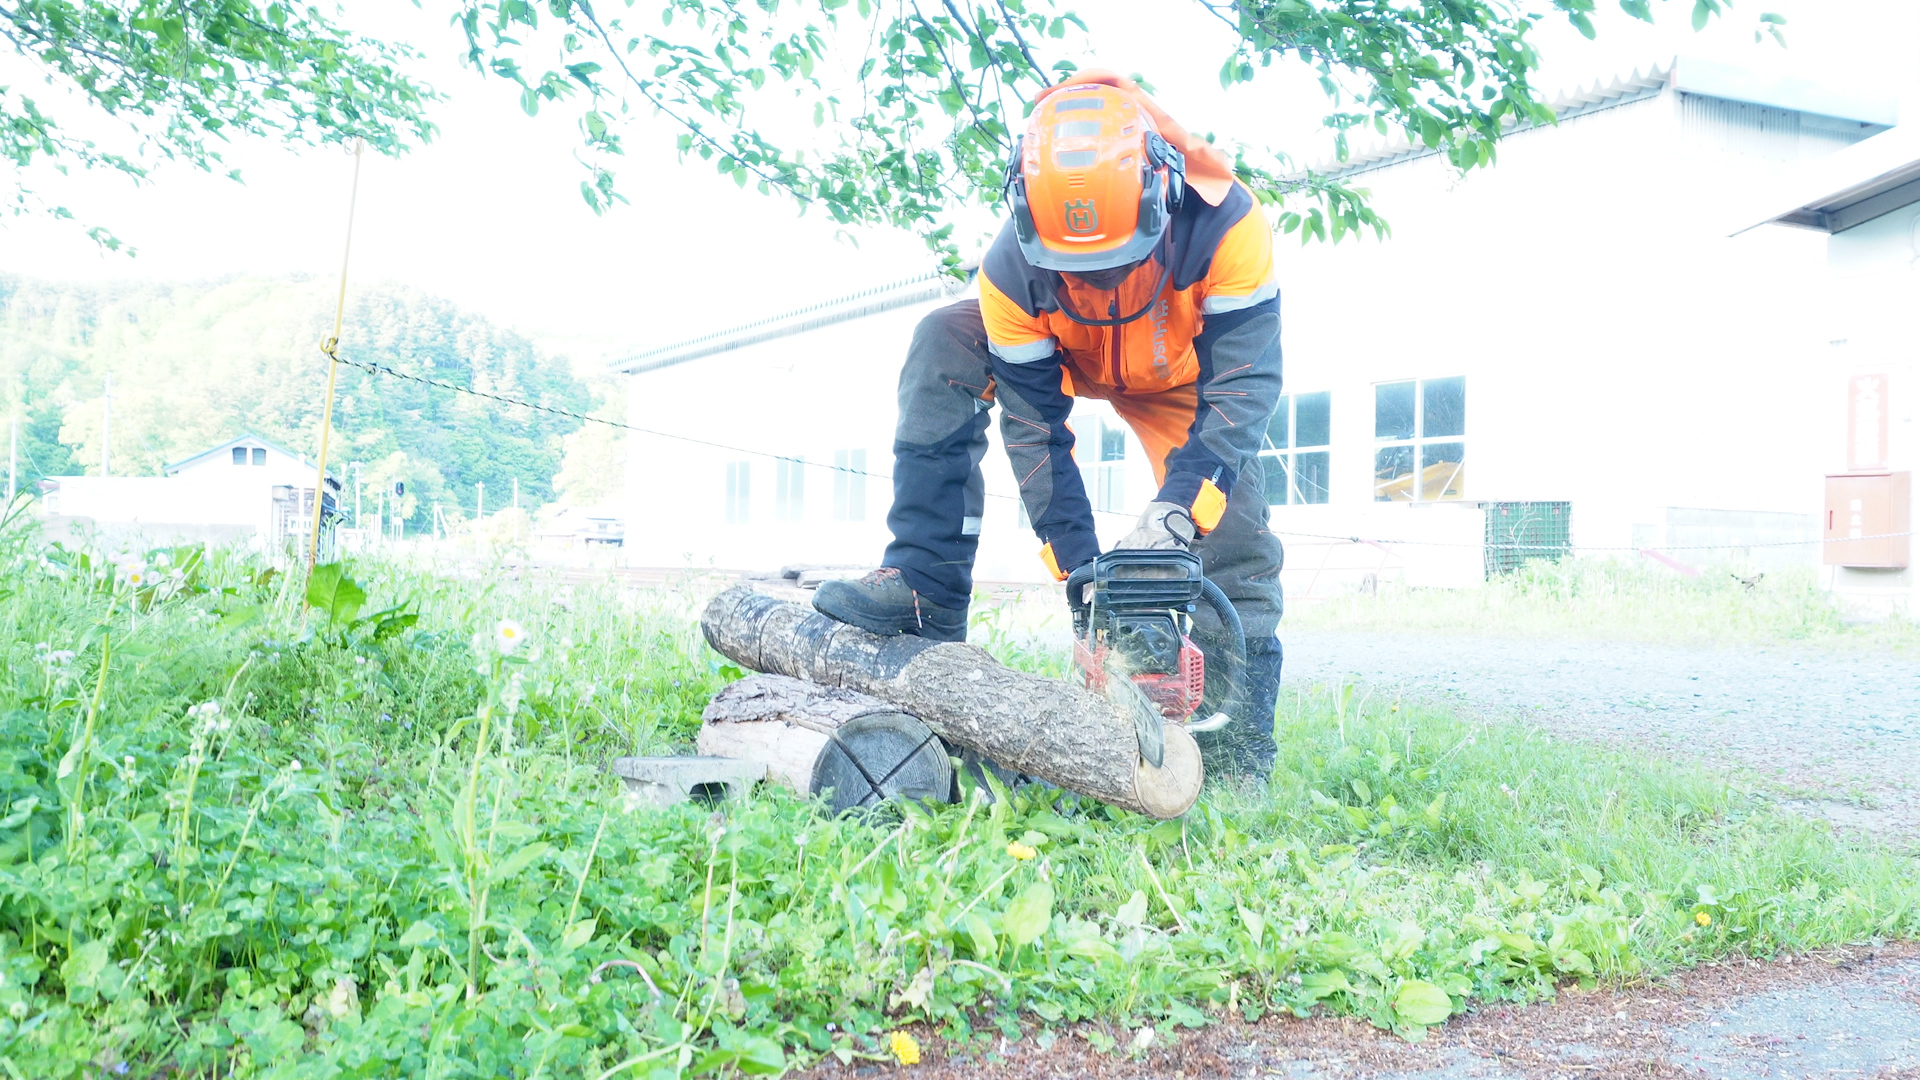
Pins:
x: 1016, y: 194
x: 1162, y: 154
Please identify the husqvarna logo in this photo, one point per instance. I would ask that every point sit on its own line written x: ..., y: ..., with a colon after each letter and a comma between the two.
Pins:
x: 1081, y: 216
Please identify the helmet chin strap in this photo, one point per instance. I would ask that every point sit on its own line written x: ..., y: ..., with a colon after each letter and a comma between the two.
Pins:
x: 1166, y: 272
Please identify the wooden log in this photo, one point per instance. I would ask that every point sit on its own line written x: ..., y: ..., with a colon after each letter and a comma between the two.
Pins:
x: 1048, y: 728
x: 852, y: 749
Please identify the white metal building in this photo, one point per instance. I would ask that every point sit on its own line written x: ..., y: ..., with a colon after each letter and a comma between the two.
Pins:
x: 243, y: 489
x: 1866, y: 199
x: 1569, y: 332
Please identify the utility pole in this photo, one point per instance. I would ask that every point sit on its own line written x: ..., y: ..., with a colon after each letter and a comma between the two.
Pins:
x: 106, y: 429
x: 356, y: 494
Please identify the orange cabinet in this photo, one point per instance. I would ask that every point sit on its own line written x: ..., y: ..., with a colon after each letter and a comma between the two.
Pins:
x: 1863, y: 510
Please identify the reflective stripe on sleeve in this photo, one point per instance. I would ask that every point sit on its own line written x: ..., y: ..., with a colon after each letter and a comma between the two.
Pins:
x: 1215, y: 305
x: 1031, y: 352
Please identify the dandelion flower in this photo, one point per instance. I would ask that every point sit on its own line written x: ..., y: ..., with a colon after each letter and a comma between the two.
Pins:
x: 1021, y: 851
x: 1703, y: 918
x: 508, y: 636
x: 904, y: 1047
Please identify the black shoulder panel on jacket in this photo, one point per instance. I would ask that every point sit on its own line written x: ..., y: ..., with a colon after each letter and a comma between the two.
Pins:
x: 1197, y: 231
x: 1027, y: 285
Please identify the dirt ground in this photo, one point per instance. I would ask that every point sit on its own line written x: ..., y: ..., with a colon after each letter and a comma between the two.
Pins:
x: 1845, y: 1013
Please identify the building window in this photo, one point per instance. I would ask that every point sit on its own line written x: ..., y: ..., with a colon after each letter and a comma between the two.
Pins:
x: 1421, y: 428
x: 239, y: 455
x: 789, y: 489
x: 1110, y: 471
x: 1295, y: 457
x: 739, y: 491
x: 259, y: 455
x: 849, y: 485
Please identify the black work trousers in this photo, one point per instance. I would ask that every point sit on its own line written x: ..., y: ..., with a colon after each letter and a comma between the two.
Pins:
x: 947, y: 389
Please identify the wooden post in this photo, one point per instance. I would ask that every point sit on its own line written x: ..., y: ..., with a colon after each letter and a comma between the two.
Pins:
x: 1048, y: 728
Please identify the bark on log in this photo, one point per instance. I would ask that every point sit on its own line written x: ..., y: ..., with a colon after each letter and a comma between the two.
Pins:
x: 828, y: 741
x: 1048, y: 728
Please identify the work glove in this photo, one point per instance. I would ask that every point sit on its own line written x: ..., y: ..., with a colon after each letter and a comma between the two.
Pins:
x: 1163, y: 526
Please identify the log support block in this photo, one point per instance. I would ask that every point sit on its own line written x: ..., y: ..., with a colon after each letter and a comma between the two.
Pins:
x: 663, y: 781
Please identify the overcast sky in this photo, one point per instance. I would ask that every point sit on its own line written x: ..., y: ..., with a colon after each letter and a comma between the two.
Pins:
x: 489, y: 215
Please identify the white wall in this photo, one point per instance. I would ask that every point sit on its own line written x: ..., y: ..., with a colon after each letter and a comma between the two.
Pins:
x: 1871, y: 313
x: 1619, y: 352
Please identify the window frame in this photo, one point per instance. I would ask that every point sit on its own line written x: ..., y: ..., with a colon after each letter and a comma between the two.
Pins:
x: 850, y: 484
x: 1286, y: 458
x: 738, y: 505
x: 1420, y: 443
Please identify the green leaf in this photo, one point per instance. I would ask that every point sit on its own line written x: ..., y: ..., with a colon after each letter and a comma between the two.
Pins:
x: 1418, y: 1003
x: 418, y: 934
x: 1027, y: 917
x: 1255, y: 923
x: 579, y: 934
x: 330, y: 590
x: 980, y: 936
x: 518, y: 862
x: 1702, y: 11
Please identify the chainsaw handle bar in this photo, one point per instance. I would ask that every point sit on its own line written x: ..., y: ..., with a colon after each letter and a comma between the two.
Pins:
x: 1082, y: 575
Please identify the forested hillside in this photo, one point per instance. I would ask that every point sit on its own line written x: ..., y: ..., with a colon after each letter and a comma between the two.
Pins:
x: 196, y: 364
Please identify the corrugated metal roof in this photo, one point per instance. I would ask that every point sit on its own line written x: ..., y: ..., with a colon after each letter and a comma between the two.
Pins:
x: 899, y: 294
x: 1603, y: 94
x: 1683, y: 74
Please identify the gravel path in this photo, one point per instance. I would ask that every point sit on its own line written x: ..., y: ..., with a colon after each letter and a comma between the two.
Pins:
x: 1839, y: 733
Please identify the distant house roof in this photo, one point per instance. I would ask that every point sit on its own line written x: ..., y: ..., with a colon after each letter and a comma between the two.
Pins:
x: 248, y: 438
x: 1849, y: 187
x: 857, y: 305
x: 1682, y: 74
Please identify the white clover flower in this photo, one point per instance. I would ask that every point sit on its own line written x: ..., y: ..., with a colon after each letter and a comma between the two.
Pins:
x: 294, y: 765
x: 508, y: 636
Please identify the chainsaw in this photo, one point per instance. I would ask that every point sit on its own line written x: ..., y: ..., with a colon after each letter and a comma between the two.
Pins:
x: 1133, y: 616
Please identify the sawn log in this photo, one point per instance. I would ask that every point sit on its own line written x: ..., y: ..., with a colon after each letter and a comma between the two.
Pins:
x: 1048, y: 728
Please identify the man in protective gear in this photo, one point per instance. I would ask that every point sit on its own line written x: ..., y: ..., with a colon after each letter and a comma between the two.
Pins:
x: 1135, y: 269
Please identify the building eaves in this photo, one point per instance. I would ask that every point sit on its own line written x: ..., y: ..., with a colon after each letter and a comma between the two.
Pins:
x: 899, y: 294
x: 1870, y: 179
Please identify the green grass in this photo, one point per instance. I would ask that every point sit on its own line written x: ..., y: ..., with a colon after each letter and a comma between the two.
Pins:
x: 395, y: 851
x: 1611, y: 599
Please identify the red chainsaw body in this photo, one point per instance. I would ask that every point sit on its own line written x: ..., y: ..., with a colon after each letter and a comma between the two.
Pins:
x: 1177, y: 694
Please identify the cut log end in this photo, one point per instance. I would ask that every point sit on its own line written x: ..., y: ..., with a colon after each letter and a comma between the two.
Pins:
x: 1173, y: 788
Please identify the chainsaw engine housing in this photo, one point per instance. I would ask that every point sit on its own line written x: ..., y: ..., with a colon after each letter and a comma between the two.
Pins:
x: 1132, y: 617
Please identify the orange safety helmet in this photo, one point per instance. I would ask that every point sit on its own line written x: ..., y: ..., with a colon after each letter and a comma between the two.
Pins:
x: 1092, y: 184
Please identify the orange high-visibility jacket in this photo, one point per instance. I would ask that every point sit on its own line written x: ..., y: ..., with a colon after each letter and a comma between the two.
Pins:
x: 1198, y: 376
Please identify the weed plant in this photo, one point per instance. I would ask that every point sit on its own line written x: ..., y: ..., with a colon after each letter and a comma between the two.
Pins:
x: 1613, y: 599
x: 252, y: 826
